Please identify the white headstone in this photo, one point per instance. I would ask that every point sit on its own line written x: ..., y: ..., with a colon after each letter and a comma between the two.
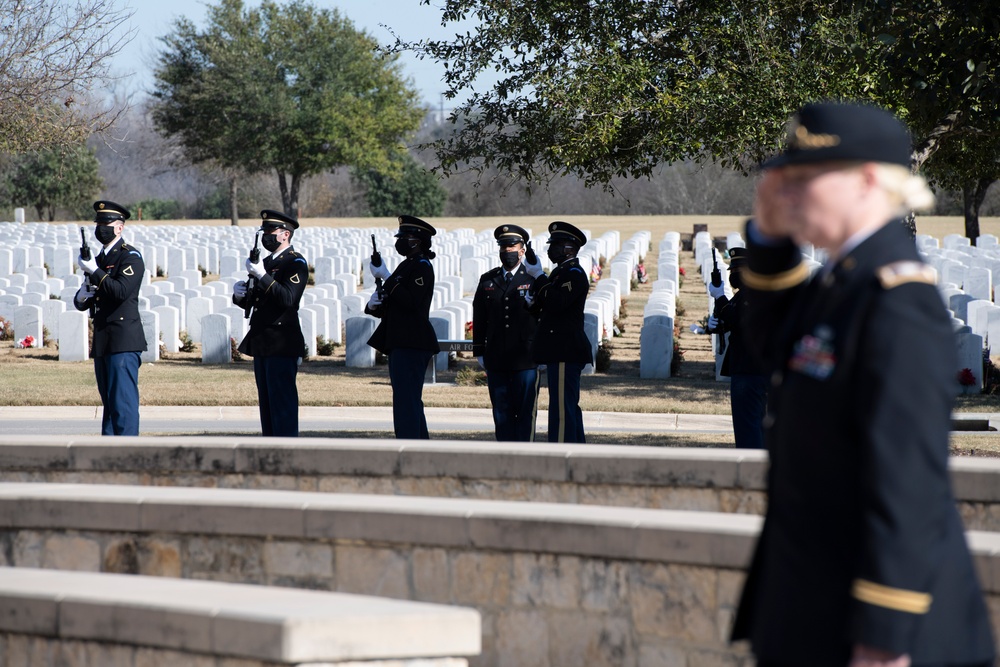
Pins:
x: 169, y: 323
x: 151, y: 330
x: 28, y: 322
x: 215, y: 345
x: 51, y: 310
x: 656, y: 346
x: 73, y: 341
x: 359, y: 330
x: 197, y: 308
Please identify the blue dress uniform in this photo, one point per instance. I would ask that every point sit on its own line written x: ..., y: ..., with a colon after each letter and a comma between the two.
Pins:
x: 862, y: 543
x: 405, y: 334
x: 275, y: 337
x: 748, y: 380
x: 561, y: 342
x: 118, y: 337
x: 503, y: 332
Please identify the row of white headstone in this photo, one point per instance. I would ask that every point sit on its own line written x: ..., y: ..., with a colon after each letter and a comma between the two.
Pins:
x: 965, y: 282
x: 38, y: 278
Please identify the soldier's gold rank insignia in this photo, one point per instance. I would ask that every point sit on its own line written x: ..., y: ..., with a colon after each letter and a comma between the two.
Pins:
x: 128, y: 271
x: 419, y: 281
x: 295, y: 279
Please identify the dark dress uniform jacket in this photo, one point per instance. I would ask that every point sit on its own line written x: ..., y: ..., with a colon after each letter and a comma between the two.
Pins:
x: 862, y: 542
x: 117, y: 327
x: 737, y: 359
x: 274, y: 325
x: 559, y: 301
x: 405, y: 309
x: 503, y: 330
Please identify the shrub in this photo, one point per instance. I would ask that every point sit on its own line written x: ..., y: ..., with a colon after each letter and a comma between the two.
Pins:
x: 324, y: 347
x: 6, y: 330
x: 157, y: 209
x: 470, y: 376
x: 603, y: 361
x: 234, y: 348
x: 187, y: 345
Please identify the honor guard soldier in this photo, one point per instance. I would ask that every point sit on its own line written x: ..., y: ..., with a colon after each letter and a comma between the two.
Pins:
x: 503, y: 331
x: 110, y: 290
x: 405, y: 334
x: 275, y: 338
x: 561, y: 342
x: 748, y: 380
x: 862, y: 559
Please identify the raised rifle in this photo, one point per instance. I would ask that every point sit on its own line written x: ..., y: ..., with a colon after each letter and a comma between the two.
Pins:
x: 251, y: 281
x: 85, y: 254
x: 377, y: 261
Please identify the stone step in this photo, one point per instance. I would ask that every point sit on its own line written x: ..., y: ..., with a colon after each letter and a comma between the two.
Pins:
x: 707, y: 479
x: 112, y: 615
x: 555, y: 584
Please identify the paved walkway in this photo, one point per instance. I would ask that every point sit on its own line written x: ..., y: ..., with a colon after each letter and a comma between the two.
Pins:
x: 86, y: 420
x: 161, y: 420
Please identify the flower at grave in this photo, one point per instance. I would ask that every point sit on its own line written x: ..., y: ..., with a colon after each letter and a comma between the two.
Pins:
x: 680, y: 270
x: 26, y: 342
x: 966, y: 377
x: 468, y: 330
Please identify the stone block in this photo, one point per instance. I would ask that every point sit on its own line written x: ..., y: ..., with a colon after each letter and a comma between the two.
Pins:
x: 674, y: 601
x: 297, y: 559
x: 372, y: 571
x: 481, y: 579
x: 546, y: 580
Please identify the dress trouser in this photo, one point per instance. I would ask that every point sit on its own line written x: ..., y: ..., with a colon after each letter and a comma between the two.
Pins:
x: 514, y: 397
x: 407, y: 368
x: 748, y: 401
x: 565, y: 415
x: 118, y: 384
x: 277, y: 395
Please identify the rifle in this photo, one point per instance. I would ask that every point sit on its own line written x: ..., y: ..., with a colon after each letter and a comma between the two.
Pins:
x: 85, y: 254
x: 251, y: 281
x: 716, y: 278
x: 377, y: 261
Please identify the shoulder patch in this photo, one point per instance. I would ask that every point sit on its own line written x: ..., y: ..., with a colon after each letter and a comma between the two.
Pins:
x: 133, y: 252
x: 299, y: 258
x: 900, y: 273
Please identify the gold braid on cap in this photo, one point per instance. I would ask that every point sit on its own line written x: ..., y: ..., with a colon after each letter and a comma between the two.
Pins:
x: 801, y: 138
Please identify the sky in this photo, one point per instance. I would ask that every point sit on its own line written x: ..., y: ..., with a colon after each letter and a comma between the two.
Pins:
x: 411, y: 20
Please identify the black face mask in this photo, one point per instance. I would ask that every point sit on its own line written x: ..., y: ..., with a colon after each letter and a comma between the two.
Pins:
x: 105, y: 234
x: 735, y: 280
x: 509, y: 259
x: 404, y: 246
x: 270, y: 242
x: 556, y: 254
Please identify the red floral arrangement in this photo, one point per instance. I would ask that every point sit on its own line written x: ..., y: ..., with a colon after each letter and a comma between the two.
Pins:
x: 680, y: 270
x: 966, y: 377
x: 468, y: 330
x: 26, y: 342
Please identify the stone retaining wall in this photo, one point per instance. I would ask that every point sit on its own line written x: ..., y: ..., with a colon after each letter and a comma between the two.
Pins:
x: 703, y: 479
x: 555, y: 584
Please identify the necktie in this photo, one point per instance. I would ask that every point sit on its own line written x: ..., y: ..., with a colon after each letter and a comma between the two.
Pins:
x: 506, y: 284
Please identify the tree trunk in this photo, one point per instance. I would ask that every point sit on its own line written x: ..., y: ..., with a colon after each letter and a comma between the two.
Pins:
x: 929, y: 144
x: 286, y: 200
x: 41, y: 211
x: 293, y: 205
x: 234, y: 214
x: 972, y: 199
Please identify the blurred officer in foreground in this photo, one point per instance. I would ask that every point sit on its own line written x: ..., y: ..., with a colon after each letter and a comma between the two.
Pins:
x: 748, y: 380
x: 275, y: 338
x: 502, y: 335
x: 405, y: 334
x: 862, y: 559
x: 561, y: 342
x: 111, y: 286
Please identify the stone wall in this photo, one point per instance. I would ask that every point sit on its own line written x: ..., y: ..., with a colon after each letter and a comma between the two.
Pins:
x: 20, y: 650
x: 712, y: 480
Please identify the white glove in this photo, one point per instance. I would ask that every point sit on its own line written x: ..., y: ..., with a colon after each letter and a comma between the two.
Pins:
x: 375, y: 301
x: 85, y: 292
x: 86, y: 265
x: 380, y: 271
x: 534, y: 270
x: 240, y: 289
x: 713, y: 323
x: 255, y: 270
x: 716, y: 292
x: 529, y: 299
x: 481, y: 364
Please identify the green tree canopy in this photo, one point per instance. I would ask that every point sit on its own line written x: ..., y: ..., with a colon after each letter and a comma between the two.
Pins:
x: 413, y: 190
x: 605, y: 88
x: 291, y: 88
x: 54, y: 179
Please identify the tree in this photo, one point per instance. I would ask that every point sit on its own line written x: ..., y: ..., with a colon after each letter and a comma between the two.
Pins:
x: 414, y: 191
x: 54, y: 178
x: 52, y: 55
x: 607, y: 88
x: 295, y: 89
